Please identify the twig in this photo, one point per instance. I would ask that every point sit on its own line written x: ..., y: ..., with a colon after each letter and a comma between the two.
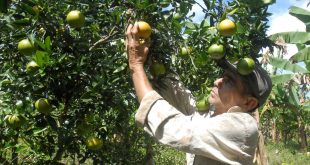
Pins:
x: 102, y: 40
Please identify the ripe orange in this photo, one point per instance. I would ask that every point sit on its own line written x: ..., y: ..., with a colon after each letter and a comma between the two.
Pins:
x: 145, y: 30
x: 26, y: 47
x: 216, y: 51
x: 76, y: 19
x: 43, y: 106
x: 227, y: 27
x: 245, y: 66
x: 94, y: 143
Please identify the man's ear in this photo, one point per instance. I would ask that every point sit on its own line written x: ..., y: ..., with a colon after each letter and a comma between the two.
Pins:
x: 250, y: 103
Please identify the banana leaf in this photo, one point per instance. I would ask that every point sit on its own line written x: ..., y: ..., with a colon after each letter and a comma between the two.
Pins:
x: 287, y: 65
x: 302, y: 55
x: 292, y: 37
x: 279, y: 79
x: 300, y: 13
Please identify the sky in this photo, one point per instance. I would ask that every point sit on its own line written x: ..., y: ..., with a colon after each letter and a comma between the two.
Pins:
x: 281, y: 21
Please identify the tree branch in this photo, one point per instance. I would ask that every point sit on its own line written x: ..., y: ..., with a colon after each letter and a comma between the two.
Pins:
x: 102, y: 40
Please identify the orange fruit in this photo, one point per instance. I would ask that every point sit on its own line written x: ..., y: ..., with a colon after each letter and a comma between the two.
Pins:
x: 245, y: 66
x: 227, y: 27
x: 202, y: 104
x: 32, y: 66
x: 94, y: 143
x: 158, y: 69
x: 14, y: 121
x: 145, y: 30
x: 185, y: 51
x: 75, y: 19
x: 216, y: 51
x: 43, y: 106
x: 26, y: 47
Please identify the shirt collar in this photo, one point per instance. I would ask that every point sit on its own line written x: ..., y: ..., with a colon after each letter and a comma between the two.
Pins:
x: 234, y: 109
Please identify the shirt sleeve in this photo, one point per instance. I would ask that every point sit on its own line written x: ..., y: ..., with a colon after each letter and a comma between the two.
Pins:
x: 228, y: 138
x: 174, y: 92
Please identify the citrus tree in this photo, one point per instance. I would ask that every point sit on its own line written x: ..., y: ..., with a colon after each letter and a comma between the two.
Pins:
x: 65, y: 89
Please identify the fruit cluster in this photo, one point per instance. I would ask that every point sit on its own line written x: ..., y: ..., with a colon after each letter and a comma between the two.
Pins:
x: 228, y: 28
x: 75, y: 19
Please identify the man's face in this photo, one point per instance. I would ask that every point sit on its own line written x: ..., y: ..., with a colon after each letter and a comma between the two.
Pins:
x: 227, y: 92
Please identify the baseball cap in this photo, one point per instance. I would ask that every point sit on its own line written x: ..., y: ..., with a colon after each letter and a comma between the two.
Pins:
x: 258, y: 81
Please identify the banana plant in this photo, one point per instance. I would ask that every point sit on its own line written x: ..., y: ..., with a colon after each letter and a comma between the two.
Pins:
x: 291, y: 77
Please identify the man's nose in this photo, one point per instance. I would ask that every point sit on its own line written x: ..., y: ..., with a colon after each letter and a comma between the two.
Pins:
x: 218, y: 82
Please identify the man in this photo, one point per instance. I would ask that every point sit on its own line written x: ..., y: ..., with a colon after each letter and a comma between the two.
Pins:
x: 226, y: 135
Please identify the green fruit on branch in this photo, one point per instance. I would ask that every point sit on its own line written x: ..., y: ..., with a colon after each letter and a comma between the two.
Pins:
x: 43, y: 106
x: 185, y: 51
x: 32, y: 66
x: 145, y: 30
x: 26, y: 47
x: 158, y: 69
x: 245, y: 66
x: 176, y: 16
x: 227, y: 27
x: 75, y: 19
x: 94, y: 143
x: 216, y: 51
x: 202, y: 104
x: 14, y: 121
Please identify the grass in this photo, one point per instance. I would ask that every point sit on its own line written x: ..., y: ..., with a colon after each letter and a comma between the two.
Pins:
x: 286, y: 154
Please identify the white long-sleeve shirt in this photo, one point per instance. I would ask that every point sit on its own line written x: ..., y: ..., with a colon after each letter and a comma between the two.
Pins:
x: 229, y: 138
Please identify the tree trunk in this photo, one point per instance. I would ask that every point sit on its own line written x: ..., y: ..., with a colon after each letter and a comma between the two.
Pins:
x: 149, y: 155
x: 274, y: 131
x: 14, y: 155
x: 302, y: 135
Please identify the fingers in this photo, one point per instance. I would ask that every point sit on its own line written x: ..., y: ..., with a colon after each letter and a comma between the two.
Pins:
x: 132, y: 32
x: 132, y: 36
x: 128, y: 31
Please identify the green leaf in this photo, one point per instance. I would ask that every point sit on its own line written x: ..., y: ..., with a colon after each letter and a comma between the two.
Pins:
x: 190, y: 25
x: 293, y: 96
x: 40, y: 44
x: 4, y: 6
x: 121, y: 68
x: 286, y: 65
x: 48, y: 44
x: 307, y: 65
x: 292, y: 37
x: 22, y: 22
x: 233, y: 11
x: 306, y: 108
x: 279, y: 79
x: 300, y: 13
x: 302, y: 55
x: 27, y: 8
x: 42, y: 58
x: 37, y: 131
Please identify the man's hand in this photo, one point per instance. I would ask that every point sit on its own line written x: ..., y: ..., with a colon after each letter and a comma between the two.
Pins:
x: 137, y: 48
